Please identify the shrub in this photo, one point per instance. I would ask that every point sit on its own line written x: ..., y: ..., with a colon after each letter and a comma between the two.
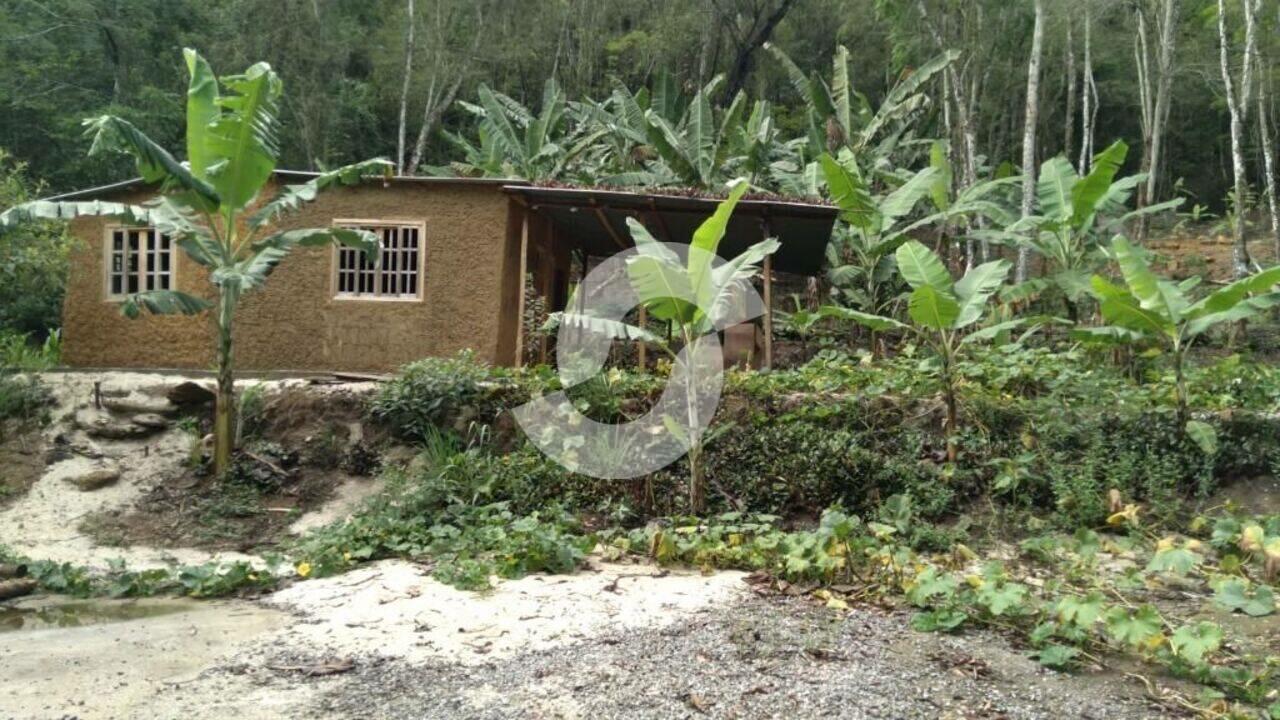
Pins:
x: 23, y: 398
x: 439, y: 394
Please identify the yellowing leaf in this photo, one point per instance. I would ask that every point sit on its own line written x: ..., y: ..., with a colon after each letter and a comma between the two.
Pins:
x: 1129, y: 515
x: 304, y: 569
x: 1252, y: 538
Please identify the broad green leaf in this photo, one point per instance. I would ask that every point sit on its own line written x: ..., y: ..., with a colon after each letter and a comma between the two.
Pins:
x: 1122, y: 308
x: 163, y: 302
x: 932, y: 584
x: 202, y: 110
x: 1227, y: 297
x: 1057, y: 656
x: 1238, y: 594
x: 1242, y: 310
x: 1082, y: 612
x: 1134, y: 627
x: 840, y: 89
x: 154, y: 163
x: 293, y: 196
x: 1173, y: 560
x: 1204, y: 436
x: 663, y: 287
x: 1054, y: 189
x: 849, y: 192
x: 1002, y: 598
x: 613, y: 329
x: 920, y: 267
x: 1194, y: 641
x: 1086, y: 194
x: 502, y: 131
x: 707, y: 240
x: 902, y: 201
x: 1152, y: 292
x: 938, y: 620
x: 242, y: 141
x: 976, y: 287
x: 700, y: 134
x: 873, y: 322
x: 670, y: 147
x: 933, y: 308
x: 728, y: 280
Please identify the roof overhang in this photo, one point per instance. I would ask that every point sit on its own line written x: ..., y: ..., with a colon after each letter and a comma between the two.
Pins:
x: 596, y: 221
x: 291, y: 176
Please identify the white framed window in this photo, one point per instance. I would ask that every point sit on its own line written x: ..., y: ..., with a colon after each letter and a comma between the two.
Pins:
x: 395, y: 275
x: 138, y: 259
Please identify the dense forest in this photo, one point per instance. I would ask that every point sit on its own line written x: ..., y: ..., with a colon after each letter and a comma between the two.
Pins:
x: 392, y: 78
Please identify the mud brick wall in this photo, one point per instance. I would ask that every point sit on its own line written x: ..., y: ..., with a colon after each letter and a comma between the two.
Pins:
x: 470, y: 280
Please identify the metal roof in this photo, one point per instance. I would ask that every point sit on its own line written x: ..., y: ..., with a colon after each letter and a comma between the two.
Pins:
x: 596, y: 220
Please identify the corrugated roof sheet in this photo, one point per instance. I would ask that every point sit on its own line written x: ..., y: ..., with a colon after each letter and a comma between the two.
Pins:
x: 595, y: 219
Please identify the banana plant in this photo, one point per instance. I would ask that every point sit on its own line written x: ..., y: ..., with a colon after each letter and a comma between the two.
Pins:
x: 799, y: 322
x: 206, y: 206
x: 942, y: 311
x: 841, y: 117
x: 861, y: 255
x: 696, y: 148
x: 665, y: 286
x: 1152, y: 308
x: 513, y: 141
x: 1073, y: 215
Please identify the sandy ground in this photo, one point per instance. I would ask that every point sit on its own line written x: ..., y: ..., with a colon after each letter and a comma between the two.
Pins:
x: 44, y: 523
x: 616, y: 641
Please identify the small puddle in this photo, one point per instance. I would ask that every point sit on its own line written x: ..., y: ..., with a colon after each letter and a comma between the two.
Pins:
x: 38, y: 615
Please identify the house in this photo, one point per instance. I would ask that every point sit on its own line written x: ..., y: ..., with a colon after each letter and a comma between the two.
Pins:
x: 458, y: 257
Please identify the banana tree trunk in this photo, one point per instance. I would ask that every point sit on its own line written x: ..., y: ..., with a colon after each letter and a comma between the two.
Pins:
x: 224, y: 431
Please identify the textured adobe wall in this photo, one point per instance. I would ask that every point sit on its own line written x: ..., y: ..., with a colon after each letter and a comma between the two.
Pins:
x: 294, y: 323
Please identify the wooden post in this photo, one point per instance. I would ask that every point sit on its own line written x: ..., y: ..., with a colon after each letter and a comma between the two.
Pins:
x: 768, y: 308
x: 642, y: 351
x: 524, y: 262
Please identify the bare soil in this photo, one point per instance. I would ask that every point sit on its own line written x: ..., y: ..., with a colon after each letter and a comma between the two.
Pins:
x: 301, y: 448
x: 22, y: 462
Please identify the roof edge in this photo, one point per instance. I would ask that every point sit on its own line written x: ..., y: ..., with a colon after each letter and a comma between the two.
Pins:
x: 304, y: 175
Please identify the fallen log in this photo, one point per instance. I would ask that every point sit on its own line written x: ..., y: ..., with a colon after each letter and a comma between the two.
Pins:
x: 12, y: 570
x: 16, y: 588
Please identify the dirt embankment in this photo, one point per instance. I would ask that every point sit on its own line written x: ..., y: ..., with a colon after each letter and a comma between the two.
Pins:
x: 122, y: 470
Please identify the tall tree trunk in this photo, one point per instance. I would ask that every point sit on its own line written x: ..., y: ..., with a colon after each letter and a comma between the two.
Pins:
x: 757, y: 35
x: 431, y: 114
x: 1238, y: 107
x: 963, y: 95
x: 1269, y: 165
x: 1155, y: 95
x: 1088, y: 95
x: 1030, y: 123
x: 404, y: 89
x: 1069, y: 124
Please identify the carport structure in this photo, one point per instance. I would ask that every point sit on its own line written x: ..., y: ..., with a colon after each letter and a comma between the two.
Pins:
x: 558, y: 223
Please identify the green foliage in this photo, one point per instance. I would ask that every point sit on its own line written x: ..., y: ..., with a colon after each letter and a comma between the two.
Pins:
x: 436, y: 394
x: 18, y: 352
x: 33, y: 262
x: 23, y: 398
x: 456, y: 514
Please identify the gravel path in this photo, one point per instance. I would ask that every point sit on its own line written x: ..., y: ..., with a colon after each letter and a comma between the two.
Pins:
x: 759, y: 658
